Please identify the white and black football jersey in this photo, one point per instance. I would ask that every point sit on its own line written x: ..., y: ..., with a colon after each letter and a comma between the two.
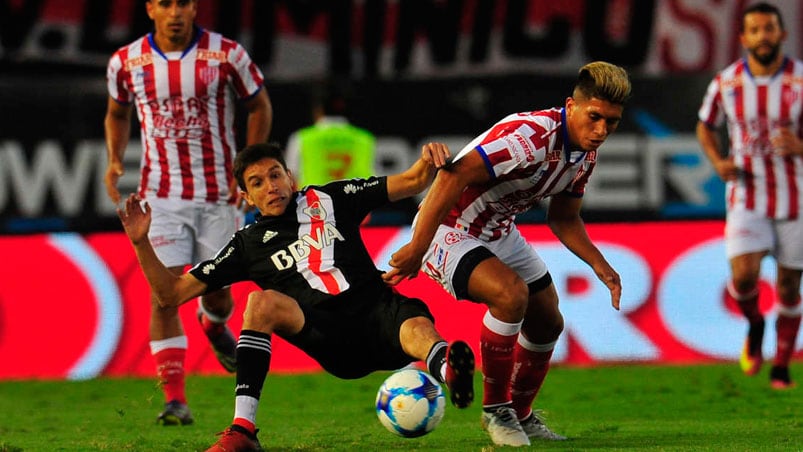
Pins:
x: 312, y: 252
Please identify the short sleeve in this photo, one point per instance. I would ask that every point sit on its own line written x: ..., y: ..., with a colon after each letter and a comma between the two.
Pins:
x: 116, y: 77
x: 247, y: 78
x: 226, y: 268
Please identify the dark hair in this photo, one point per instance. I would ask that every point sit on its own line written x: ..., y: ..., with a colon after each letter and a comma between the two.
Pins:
x: 332, y: 97
x: 603, y: 81
x: 254, y: 153
x: 764, y: 8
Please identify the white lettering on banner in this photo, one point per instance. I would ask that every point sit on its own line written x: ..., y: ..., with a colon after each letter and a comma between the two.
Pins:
x: 690, y: 302
x: 29, y: 181
x: 634, y: 172
x: 48, y: 172
x: 600, y: 330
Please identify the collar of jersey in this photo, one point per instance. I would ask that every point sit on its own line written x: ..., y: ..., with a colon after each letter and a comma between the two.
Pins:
x: 567, y: 153
x: 196, y: 36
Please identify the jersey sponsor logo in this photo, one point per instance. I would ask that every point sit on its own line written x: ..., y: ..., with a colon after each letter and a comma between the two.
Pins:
x: 525, y: 146
x: 792, y: 79
x: 208, y: 268
x: 225, y: 256
x: 179, y: 126
x: 354, y: 188
x: 553, y: 156
x: 351, y: 188
x: 731, y: 84
x: 178, y: 106
x: 137, y: 61
x: 212, y: 55
x: 515, y: 202
x: 269, y: 235
x: 300, y: 249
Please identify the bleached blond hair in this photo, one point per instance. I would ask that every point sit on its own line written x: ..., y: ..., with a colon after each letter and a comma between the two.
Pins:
x: 603, y: 81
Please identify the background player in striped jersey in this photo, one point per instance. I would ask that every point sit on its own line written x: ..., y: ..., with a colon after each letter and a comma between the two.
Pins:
x: 320, y: 288
x: 761, y: 96
x: 184, y: 81
x: 466, y: 237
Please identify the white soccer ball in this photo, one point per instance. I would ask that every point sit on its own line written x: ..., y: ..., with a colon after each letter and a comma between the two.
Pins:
x: 410, y: 403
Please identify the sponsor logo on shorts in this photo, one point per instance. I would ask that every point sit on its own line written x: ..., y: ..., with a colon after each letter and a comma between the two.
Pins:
x: 440, y: 256
x: 161, y: 240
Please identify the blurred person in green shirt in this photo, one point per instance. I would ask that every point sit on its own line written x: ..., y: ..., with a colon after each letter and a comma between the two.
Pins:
x: 332, y: 148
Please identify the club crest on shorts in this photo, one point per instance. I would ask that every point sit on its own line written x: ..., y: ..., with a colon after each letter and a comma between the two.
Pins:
x: 452, y: 238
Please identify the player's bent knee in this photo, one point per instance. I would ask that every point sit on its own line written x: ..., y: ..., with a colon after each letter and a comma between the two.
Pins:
x: 270, y: 310
x: 511, y: 297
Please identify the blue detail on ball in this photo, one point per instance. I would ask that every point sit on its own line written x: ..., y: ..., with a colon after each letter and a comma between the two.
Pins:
x: 410, y: 403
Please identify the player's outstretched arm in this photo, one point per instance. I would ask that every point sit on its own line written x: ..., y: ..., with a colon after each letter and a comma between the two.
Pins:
x: 170, y: 289
x: 442, y: 196
x: 567, y: 225
x: 417, y: 178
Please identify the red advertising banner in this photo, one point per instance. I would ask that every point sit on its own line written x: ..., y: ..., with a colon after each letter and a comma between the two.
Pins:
x: 77, y: 306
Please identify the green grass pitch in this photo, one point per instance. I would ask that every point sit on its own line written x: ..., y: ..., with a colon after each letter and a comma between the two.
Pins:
x: 612, y: 408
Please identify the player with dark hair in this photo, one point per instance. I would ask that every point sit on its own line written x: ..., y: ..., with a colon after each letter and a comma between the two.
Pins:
x: 761, y: 97
x: 467, y: 240
x: 183, y: 81
x: 320, y: 288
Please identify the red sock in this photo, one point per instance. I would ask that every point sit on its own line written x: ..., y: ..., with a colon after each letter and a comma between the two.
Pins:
x: 497, y: 359
x: 211, y: 327
x: 246, y: 424
x: 170, y: 370
x: 786, y: 328
x: 529, y: 371
x: 747, y: 302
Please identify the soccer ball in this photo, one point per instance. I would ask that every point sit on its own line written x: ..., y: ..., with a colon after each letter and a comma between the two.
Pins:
x: 410, y: 403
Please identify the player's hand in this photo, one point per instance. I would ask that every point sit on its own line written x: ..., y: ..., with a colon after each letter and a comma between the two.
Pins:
x: 436, y: 154
x: 786, y: 143
x: 726, y: 169
x: 136, y: 218
x: 611, y: 279
x: 113, y: 172
x: 406, y: 263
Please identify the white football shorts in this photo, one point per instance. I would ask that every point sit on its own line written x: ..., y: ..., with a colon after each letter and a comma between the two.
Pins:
x: 450, y: 245
x: 186, y: 232
x: 749, y: 232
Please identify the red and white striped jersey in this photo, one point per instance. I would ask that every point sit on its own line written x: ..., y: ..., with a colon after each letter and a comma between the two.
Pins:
x: 528, y: 159
x: 755, y: 108
x: 185, y: 103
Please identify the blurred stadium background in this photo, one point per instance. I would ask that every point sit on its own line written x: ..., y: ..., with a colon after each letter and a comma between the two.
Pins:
x: 418, y: 71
